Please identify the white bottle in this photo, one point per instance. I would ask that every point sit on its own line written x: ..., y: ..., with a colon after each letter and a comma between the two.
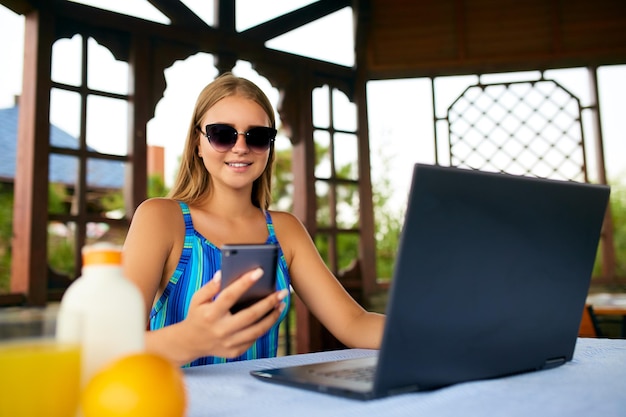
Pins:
x: 102, y: 310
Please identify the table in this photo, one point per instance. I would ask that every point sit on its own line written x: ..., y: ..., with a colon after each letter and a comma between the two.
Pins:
x: 592, y: 384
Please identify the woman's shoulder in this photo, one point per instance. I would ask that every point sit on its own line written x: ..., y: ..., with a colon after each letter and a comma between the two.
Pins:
x: 293, y: 236
x: 286, y: 224
x: 284, y: 218
x: 158, y: 207
x: 157, y: 223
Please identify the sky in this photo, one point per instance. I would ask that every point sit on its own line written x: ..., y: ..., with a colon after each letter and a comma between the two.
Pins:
x: 400, y: 125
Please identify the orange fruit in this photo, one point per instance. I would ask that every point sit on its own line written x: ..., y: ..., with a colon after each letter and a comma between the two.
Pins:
x: 140, y: 384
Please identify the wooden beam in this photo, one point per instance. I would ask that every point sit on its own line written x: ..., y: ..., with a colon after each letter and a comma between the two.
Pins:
x: 294, y: 20
x: 20, y: 6
x: 225, y: 16
x: 178, y: 13
x: 75, y: 17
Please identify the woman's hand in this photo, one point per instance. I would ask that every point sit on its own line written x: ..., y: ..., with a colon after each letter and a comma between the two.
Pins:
x: 211, y: 329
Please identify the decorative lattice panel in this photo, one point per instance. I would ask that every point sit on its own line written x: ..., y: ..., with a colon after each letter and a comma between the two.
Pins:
x: 525, y: 128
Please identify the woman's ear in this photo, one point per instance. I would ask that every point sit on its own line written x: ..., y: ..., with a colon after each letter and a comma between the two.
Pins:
x: 198, y: 142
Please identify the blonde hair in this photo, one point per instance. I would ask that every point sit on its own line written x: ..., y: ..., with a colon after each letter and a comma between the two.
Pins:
x: 193, y: 180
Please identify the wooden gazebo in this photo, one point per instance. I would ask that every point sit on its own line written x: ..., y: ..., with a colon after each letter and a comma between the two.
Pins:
x: 393, y: 39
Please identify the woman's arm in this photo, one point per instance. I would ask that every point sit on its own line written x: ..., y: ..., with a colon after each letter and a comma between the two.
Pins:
x: 153, y: 246
x: 321, y: 292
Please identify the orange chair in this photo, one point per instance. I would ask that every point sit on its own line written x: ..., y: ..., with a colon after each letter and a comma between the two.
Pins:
x: 589, y: 324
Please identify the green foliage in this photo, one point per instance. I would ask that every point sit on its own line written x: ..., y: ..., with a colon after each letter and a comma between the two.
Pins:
x: 347, y: 252
x: 60, y: 248
x: 349, y: 249
x: 6, y: 230
x: 156, y: 186
x: 6, y: 213
x: 388, y: 224
x: 112, y: 201
x: 618, y: 216
x: 618, y: 211
x: 61, y: 254
x: 57, y: 197
x: 282, y: 181
x: 322, y: 245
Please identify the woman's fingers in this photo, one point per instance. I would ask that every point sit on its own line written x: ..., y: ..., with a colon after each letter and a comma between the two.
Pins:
x: 228, y: 296
x: 270, y: 306
x: 233, y: 292
x: 243, y: 338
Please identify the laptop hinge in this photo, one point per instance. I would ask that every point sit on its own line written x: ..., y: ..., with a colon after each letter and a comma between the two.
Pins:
x: 554, y: 362
x: 403, y: 390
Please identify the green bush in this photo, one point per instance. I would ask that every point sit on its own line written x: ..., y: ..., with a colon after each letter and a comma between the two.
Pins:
x: 6, y: 229
x: 618, y: 211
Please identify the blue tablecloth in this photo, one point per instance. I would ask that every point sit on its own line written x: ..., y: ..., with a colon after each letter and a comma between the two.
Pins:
x: 593, y: 384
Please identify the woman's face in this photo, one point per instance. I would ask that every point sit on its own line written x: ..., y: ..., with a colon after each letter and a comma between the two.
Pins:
x: 239, y: 166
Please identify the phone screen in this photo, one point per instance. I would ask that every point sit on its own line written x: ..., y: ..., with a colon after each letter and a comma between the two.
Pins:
x: 238, y: 259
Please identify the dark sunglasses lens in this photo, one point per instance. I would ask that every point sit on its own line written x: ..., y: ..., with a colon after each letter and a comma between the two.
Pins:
x: 221, y: 137
x: 259, y: 138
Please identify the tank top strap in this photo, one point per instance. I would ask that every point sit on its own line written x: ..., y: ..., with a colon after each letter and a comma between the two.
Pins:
x: 186, y: 215
x: 184, y: 258
x: 270, y: 227
x: 189, y: 235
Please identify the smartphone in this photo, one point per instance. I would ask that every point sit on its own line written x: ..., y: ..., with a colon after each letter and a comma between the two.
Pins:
x: 238, y: 259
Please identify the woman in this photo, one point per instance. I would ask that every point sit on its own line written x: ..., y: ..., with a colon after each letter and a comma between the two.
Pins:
x: 221, y: 195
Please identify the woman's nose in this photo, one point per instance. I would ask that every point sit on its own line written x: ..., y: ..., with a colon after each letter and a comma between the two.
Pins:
x: 241, y: 146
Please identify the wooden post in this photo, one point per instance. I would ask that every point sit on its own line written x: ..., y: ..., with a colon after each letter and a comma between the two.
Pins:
x: 30, y: 209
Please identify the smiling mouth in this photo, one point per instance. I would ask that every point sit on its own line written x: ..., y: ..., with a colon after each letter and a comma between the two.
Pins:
x: 238, y: 164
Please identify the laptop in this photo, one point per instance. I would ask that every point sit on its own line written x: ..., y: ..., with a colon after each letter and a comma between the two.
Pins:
x: 490, y: 279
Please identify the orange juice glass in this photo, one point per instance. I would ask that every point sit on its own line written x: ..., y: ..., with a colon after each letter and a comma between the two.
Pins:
x: 38, y: 375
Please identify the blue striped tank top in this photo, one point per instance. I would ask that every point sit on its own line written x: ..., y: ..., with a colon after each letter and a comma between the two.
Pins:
x: 198, y: 263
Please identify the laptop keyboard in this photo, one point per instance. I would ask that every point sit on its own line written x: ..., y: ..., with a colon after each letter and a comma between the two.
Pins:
x: 362, y: 374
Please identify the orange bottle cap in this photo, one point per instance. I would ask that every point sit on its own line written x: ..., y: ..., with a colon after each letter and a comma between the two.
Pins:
x: 102, y: 254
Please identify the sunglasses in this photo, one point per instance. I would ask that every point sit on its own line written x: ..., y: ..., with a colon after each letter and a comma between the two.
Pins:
x: 223, y: 137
